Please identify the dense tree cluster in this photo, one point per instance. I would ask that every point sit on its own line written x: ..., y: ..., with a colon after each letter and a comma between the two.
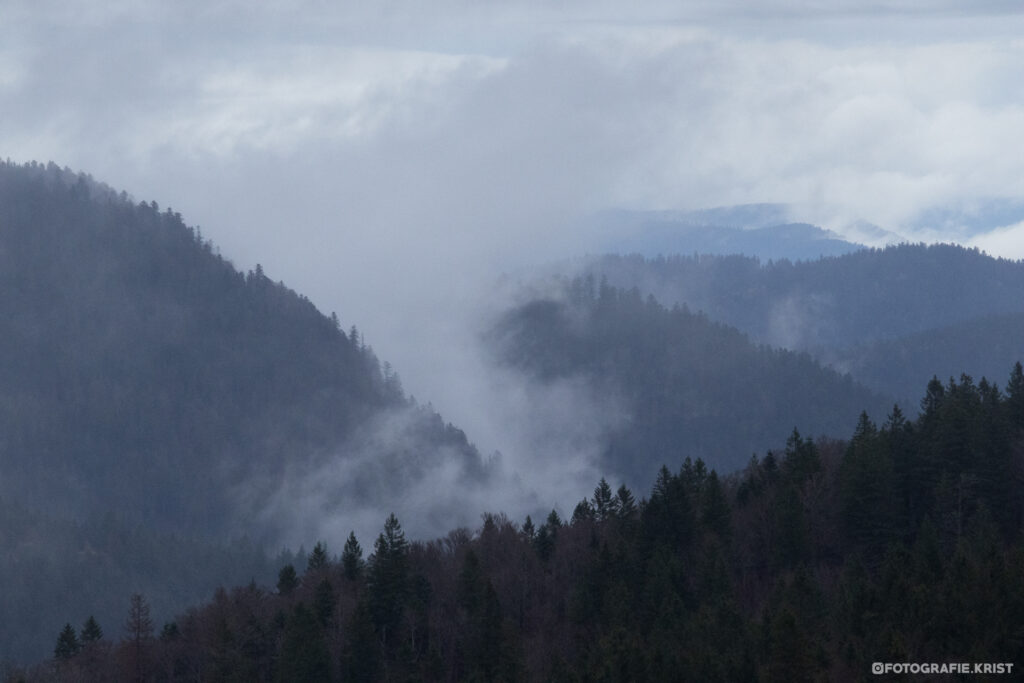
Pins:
x: 902, y: 544
x: 689, y: 386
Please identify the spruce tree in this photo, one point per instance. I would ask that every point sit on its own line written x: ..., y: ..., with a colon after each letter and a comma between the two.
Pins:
x: 603, y: 503
x: 91, y: 631
x: 583, y: 512
x: 625, y: 503
x: 67, y: 644
x: 318, y: 558
x: 388, y: 577
x: 529, y: 531
x: 352, y: 558
x: 287, y: 580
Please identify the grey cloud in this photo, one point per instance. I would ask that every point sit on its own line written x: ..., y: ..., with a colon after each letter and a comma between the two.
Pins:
x: 390, y: 160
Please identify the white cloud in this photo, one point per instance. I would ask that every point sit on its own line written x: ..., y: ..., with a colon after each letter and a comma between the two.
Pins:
x: 1007, y: 241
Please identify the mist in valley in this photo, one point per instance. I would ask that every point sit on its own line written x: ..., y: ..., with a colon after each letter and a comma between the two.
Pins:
x: 426, y: 175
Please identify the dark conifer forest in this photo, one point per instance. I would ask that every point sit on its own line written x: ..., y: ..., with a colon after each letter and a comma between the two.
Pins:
x: 900, y: 543
x: 800, y: 473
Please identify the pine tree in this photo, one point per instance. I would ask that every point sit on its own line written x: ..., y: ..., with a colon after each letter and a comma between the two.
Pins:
x: 529, y: 531
x: 352, y: 558
x: 584, y: 512
x: 802, y: 459
x: 625, y: 503
x: 68, y: 644
x: 388, y: 578
x: 603, y: 503
x: 318, y: 558
x: 866, y: 493
x: 91, y: 631
x: 287, y: 580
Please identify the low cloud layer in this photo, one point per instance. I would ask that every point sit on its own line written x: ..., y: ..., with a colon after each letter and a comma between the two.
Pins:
x: 391, y: 161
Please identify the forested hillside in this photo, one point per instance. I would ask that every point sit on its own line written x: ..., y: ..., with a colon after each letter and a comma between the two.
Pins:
x: 833, y: 302
x: 687, y: 386
x: 142, y: 375
x: 902, y: 544
x: 51, y: 565
x: 890, y: 317
x: 981, y: 346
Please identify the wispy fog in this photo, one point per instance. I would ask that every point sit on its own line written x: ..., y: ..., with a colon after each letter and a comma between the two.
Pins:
x: 392, y: 162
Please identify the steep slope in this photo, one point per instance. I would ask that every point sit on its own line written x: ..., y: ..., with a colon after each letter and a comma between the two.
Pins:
x: 58, y: 570
x: 685, y: 386
x: 142, y: 376
x: 141, y: 372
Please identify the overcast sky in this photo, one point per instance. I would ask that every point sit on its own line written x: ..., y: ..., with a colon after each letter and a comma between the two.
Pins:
x: 388, y: 158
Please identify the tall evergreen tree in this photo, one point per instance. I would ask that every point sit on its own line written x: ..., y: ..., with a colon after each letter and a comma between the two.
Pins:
x: 583, y: 512
x: 603, y: 501
x: 67, y: 645
x: 352, y: 558
x: 528, y: 529
x: 388, y: 579
x: 91, y: 631
x: 287, y: 580
x: 625, y: 503
x: 318, y: 559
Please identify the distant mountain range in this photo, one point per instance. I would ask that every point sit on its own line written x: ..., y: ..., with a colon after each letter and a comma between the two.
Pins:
x: 891, y: 317
x: 783, y: 231
x: 759, y: 230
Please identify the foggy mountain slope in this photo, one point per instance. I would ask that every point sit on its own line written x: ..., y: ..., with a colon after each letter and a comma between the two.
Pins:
x: 980, y: 347
x: 150, y: 394
x: 833, y: 302
x: 689, y: 387
x: 141, y: 372
x: 58, y: 570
